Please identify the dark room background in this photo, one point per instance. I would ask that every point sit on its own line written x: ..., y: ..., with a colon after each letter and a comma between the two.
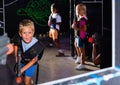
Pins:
x: 99, y: 18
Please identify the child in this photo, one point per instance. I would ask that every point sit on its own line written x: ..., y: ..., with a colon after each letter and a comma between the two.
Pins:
x: 54, y: 24
x: 80, y: 27
x: 96, y: 50
x: 29, y: 53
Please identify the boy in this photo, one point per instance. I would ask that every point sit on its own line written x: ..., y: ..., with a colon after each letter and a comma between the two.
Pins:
x: 30, y: 47
x: 54, y: 24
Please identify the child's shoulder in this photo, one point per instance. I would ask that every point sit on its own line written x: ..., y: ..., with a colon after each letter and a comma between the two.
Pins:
x: 84, y: 18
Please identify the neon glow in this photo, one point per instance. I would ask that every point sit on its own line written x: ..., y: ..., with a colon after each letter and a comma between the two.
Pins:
x: 38, y: 10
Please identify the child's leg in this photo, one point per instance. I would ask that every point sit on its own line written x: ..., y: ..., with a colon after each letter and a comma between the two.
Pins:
x: 83, y: 55
x: 50, y: 42
x: 50, y: 38
x: 82, y: 60
x: 57, y: 43
x: 81, y: 48
x: 29, y: 74
x: 78, y: 53
x: 60, y: 51
x: 28, y: 80
x: 55, y: 38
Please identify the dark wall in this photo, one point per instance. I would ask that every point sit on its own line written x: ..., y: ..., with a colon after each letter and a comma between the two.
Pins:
x: 106, y: 59
x: 11, y: 18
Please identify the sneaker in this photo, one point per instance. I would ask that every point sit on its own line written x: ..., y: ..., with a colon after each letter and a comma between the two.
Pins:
x: 75, y: 57
x: 60, y: 54
x: 77, y: 61
x: 32, y: 81
x: 50, y: 45
x: 79, y: 67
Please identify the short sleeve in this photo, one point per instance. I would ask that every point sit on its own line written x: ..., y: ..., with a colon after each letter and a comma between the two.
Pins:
x: 49, y: 19
x: 58, y: 19
x: 82, y: 22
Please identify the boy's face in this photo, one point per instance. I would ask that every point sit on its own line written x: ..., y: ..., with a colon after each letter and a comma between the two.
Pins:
x: 27, y: 34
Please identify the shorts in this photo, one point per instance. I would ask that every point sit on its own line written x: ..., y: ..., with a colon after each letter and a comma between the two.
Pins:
x: 53, y: 33
x: 79, y: 42
x: 30, y: 71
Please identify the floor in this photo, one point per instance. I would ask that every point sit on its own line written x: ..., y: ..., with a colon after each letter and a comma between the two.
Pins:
x: 53, y: 68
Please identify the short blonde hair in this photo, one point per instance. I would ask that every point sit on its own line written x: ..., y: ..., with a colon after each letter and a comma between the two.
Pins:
x: 26, y: 22
x: 82, y: 6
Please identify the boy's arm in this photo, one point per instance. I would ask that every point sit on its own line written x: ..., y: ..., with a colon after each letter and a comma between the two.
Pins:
x: 95, y: 57
x: 80, y: 28
x: 49, y: 20
x: 33, y: 61
x: 84, y: 27
x: 15, y: 52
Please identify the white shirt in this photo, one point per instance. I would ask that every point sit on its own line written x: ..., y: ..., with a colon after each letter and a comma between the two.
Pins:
x: 58, y: 19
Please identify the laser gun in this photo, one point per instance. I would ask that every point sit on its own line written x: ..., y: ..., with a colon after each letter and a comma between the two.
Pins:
x: 18, y: 78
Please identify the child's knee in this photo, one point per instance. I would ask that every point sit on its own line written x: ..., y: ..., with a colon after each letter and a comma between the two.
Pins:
x: 28, y: 81
x: 56, y: 40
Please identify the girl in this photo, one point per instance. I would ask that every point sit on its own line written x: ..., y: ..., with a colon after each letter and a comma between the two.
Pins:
x: 80, y: 35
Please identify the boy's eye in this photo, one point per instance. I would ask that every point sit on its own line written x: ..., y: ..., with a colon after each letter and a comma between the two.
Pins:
x: 30, y: 32
x: 24, y: 32
x: 27, y: 32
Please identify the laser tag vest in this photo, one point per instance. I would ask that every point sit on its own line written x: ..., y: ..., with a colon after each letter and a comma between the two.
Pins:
x: 80, y: 23
x: 53, y: 21
x: 55, y: 18
x: 35, y: 50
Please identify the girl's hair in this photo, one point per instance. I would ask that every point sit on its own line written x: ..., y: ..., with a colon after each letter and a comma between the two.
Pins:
x: 83, y: 7
x: 54, y: 5
x: 26, y: 22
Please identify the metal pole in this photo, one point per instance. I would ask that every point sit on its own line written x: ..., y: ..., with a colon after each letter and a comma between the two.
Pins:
x: 71, y: 31
x: 102, y: 17
x: 3, y: 17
